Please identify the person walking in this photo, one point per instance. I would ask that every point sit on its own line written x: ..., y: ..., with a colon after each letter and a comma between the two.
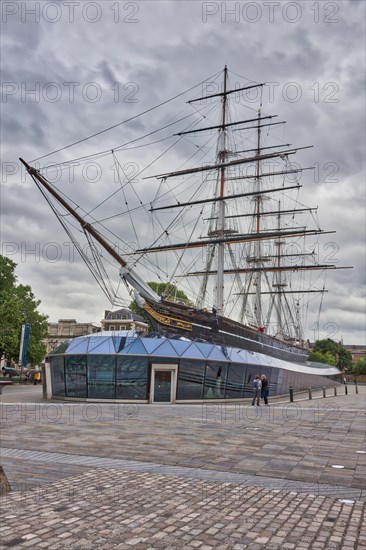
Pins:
x: 36, y: 378
x: 264, y: 389
x: 257, y: 385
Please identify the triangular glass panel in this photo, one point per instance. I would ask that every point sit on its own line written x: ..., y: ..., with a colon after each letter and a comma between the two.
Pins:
x: 77, y: 346
x: 61, y: 348
x: 96, y: 341
x: 151, y: 344
x: 116, y: 343
x: 105, y: 347
x: 246, y: 356
x: 165, y: 350
x: 255, y: 358
x: 234, y: 356
x: 180, y: 346
x: 204, y: 348
x: 122, y: 344
x: 193, y: 352
x: 216, y: 354
x: 134, y: 348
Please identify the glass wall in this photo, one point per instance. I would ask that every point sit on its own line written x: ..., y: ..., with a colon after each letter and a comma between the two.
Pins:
x: 215, y: 381
x: 272, y: 377
x: 191, y: 376
x: 268, y: 371
x: 101, y: 376
x: 251, y: 372
x: 57, y: 375
x: 132, y: 377
x: 128, y: 377
x: 235, y: 381
x: 75, y: 374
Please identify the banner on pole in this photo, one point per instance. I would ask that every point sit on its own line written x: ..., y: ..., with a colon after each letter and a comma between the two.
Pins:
x: 25, y: 347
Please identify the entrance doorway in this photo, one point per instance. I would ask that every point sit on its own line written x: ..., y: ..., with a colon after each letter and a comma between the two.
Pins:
x: 163, y: 383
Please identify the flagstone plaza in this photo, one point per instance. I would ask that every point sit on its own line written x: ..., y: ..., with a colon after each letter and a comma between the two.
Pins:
x: 222, y: 476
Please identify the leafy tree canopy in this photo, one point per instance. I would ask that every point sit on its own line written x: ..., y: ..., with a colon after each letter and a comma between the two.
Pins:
x: 342, y: 357
x: 359, y: 367
x: 318, y: 357
x: 18, y: 304
x: 168, y: 291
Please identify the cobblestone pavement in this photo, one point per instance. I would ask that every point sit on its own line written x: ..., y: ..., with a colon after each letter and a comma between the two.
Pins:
x: 213, y: 476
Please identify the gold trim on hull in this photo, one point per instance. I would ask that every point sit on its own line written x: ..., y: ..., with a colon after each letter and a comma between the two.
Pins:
x: 166, y: 320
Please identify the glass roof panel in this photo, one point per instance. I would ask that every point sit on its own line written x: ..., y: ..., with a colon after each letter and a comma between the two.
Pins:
x: 105, y: 346
x: 234, y: 356
x: 216, y: 354
x: 151, y: 344
x: 165, y: 350
x: 116, y: 340
x: 254, y: 358
x: 180, y: 346
x: 61, y: 348
x: 194, y: 352
x: 96, y: 341
x: 79, y: 345
x: 135, y: 347
x: 204, y: 348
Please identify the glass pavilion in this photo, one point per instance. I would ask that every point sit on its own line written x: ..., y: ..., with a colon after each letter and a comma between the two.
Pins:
x: 123, y: 366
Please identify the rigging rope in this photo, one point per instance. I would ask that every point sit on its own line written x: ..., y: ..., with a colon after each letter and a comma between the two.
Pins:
x: 125, y: 121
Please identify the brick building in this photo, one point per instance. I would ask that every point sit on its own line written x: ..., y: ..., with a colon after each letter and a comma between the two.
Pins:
x: 358, y: 352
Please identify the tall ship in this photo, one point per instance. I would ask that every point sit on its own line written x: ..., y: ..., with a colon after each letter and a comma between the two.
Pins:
x: 224, y: 233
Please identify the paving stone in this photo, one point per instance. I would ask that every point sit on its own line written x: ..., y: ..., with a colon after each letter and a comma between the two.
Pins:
x: 210, y: 484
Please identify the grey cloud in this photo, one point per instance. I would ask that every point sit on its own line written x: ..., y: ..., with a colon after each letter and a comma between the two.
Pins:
x: 169, y: 50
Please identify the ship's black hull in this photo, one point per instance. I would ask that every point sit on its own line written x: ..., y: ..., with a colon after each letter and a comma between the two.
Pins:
x: 172, y: 320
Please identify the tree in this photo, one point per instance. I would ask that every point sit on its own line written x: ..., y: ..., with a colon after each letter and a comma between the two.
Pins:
x: 170, y: 292
x: 323, y: 346
x: 166, y: 290
x: 318, y: 357
x: 18, y: 304
x: 344, y: 361
x: 342, y: 357
x: 359, y: 367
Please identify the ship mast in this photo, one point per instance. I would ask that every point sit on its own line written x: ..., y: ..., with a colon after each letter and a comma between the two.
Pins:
x: 258, y: 246
x: 219, y: 302
x: 279, y: 285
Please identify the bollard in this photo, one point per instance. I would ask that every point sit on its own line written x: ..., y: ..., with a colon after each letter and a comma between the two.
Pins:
x: 291, y: 394
x: 335, y: 391
x: 310, y: 394
x: 324, y: 392
x: 356, y: 386
x: 345, y: 389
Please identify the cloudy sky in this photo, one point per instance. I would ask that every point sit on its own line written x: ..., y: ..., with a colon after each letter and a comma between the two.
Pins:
x: 71, y: 69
